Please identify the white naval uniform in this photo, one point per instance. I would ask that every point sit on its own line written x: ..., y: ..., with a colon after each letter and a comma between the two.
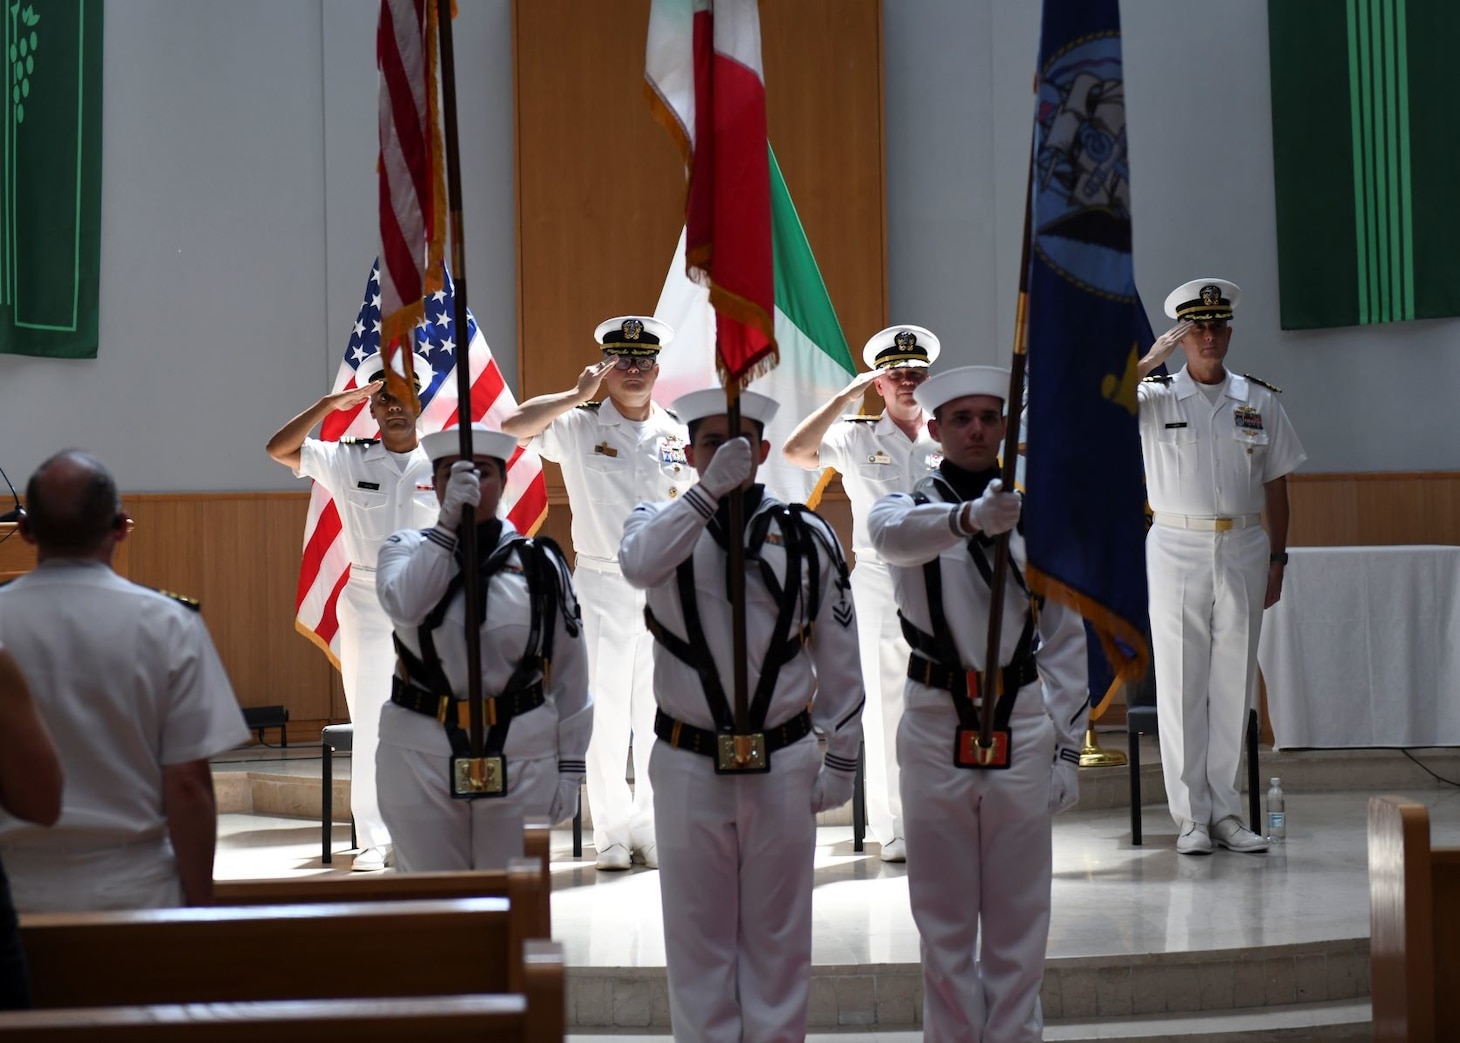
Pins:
x: 610, y: 464
x: 377, y: 492
x: 978, y: 841
x: 1207, y: 460
x: 736, y: 852
x: 128, y: 682
x: 875, y: 458
x: 434, y: 831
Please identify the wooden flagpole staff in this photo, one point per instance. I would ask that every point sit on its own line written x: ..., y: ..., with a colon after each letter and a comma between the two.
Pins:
x: 477, y: 780
x: 992, y: 674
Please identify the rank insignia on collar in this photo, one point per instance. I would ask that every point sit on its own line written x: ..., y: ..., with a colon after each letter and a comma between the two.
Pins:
x: 604, y: 449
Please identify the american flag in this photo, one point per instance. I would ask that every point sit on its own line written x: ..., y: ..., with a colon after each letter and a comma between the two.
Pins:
x: 326, y: 565
x: 411, y: 178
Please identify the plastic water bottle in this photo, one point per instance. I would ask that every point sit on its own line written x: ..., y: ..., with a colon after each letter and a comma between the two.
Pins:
x: 1277, y: 819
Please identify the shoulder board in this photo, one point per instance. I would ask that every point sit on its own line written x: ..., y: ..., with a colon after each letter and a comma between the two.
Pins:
x: 359, y: 441
x: 592, y: 407
x: 1157, y: 378
x: 862, y: 418
x: 672, y: 414
x: 181, y: 599
x: 1258, y: 380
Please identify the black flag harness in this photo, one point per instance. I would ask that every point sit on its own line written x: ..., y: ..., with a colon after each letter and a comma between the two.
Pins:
x: 799, y: 538
x: 426, y: 690
x: 936, y: 661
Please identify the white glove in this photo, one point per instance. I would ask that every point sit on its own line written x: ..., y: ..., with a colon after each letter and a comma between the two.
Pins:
x: 462, y: 488
x: 565, y: 800
x: 832, y: 789
x: 728, y: 469
x: 1064, y: 787
x: 997, y: 511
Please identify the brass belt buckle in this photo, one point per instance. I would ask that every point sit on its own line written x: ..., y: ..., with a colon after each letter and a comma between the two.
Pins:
x: 473, y: 777
x: 1222, y: 524
x: 741, y: 754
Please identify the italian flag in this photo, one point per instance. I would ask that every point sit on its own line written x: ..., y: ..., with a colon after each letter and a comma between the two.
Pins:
x: 815, y: 362
x: 705, y: 84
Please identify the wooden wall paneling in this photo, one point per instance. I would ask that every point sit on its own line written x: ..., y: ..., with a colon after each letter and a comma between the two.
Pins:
x: 600, y: 185
x: 1374, y: 509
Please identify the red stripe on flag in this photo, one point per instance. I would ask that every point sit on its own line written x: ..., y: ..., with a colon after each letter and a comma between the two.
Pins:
x: 326, y: 531
x: 329, y: 622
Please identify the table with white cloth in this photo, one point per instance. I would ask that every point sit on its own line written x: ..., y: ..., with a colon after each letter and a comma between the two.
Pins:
x: 1363, y: 649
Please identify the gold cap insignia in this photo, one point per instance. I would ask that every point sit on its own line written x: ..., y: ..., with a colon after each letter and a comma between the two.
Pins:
x: 1211, y: 295
x: 632, y: 329
x: 906, y: 340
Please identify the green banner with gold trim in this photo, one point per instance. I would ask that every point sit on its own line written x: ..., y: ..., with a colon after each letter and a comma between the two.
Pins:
x: 50, y: 205
x: 1366, y: 137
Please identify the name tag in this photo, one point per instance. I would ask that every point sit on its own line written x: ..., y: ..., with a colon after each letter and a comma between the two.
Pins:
x: 604, y: 449
x: 1170, y: 427
x: 879, y: 457
x: 372, y: 486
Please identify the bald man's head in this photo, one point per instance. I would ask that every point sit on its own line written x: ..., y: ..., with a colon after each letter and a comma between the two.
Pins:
x: 71, y: 504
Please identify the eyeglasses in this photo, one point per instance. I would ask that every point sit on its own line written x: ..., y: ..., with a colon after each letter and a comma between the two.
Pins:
x: 643, y: 363
x: 906, y: 374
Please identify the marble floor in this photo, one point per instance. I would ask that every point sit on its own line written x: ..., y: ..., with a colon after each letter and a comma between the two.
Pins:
x: 1109, y: 898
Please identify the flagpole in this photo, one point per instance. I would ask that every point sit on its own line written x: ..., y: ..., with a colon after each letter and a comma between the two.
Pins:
x: 735, y: 548
x: 1014, y: 403
x: 467, y: 532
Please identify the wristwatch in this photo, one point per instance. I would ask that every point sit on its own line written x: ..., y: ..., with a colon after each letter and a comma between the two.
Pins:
x: 1281, y: 558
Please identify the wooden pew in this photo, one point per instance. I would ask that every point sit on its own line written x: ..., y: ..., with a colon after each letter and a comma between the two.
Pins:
x: 1414, y: 925
x: 230, y: 953
x: 535, y: 1017
x: 525, y: 884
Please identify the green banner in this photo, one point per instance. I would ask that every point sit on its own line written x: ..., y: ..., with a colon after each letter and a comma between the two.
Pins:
x: 50, y: 207
x: 1366, y: 135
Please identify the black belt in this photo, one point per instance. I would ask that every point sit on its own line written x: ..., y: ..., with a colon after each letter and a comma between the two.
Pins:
x: 701, y: 740
x: 495, y: 709
x: 935, y: 675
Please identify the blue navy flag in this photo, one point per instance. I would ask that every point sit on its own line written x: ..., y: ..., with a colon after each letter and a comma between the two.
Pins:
x: 1084, y: 522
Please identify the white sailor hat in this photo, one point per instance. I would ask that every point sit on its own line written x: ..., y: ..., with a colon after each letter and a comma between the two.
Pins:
x: 1203, y: 299
x: 696, y: 405
x: 485, y: 441
x: 372, y: 367
x: 901, y: 346
x: 942, y: 388
x: 635, y: 335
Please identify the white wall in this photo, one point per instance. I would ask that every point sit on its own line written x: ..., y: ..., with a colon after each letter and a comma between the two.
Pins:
x: 238, y: 223
x: 1363, y: 398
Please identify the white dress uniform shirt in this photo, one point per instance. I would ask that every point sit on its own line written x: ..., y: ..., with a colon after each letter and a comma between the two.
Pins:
x: 978, y: 841
x: 609, y: 465
x: 128, y: 682
x: 740, y: 969
x: 432, y: 830
x: 875, y: 457
x: 1207, y: 462
x: 377, y: 492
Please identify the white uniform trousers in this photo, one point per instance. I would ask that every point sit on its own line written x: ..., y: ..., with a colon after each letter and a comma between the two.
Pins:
x: 735, y: 872
x: 621, y: 678
x: 1206, y: 591
x: 435, y: 832
x: 367, y: 662
x: 978, y: 862
x: 884, y: 674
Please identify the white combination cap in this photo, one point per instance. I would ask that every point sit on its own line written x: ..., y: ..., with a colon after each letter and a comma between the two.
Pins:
x: 485, y: 441
x: 372, y: 367
x: 633, y: 335
x: 942, y: 388
x: 901, y: 346
x: 1203, y: 299
x: 696, y: 405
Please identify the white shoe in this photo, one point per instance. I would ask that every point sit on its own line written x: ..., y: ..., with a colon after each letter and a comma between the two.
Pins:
x: 649, y: 855
x: 894, y: 851
x: 370, y: 860
x: 1234, y: 836
x: 1194, y: 840
x: 614, y: 857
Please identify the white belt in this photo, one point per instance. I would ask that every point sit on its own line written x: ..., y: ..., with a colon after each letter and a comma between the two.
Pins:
x: 606, y: 566
x: 1205, y: 523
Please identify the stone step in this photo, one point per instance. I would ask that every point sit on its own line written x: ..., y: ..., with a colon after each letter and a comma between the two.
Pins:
x: 1077, y: 990
x: 1349, y: 1021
